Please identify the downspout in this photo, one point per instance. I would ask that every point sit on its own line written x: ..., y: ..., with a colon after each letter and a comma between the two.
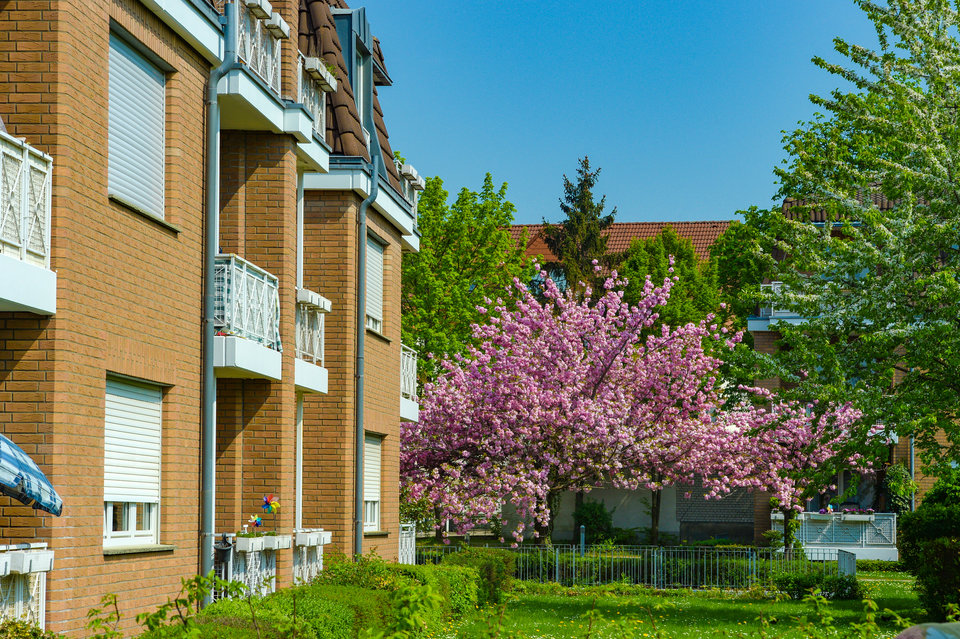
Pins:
x: 361, y: 332
x: 208, y: 426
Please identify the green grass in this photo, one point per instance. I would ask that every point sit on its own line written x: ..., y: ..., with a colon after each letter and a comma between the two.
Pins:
x: 554, y: 612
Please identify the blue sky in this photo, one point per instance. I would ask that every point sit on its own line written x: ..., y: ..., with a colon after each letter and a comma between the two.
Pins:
x: 681, y: 103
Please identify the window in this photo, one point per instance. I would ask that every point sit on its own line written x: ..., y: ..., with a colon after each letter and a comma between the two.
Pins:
x: 135, y: 132
x: 374, y: 284
x: 371, y: 482
x: 131, y: 463
x: 360, y: 91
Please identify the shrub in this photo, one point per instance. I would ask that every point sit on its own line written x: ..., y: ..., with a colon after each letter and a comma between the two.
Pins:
x: 457, y: 585
x: 370, y: 608
x: 879, y: 565
x: 797, y: 585
x: 938, y: 576
x: 946, y: 490
x: 929, y: 521
x: 15, y: 629
x: 317, y: 616
x: 596, y: 519
x: 368, y: 571
x: 496, y: 567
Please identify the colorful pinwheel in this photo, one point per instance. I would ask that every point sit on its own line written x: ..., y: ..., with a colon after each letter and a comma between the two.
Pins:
x: 255, y: 521
x: 270, y: 505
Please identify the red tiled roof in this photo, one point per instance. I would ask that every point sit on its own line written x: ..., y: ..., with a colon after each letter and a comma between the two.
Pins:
x: 621, y: 234
x: 790, y: 205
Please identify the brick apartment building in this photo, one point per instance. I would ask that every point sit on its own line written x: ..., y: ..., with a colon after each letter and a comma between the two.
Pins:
x: 119, y: 170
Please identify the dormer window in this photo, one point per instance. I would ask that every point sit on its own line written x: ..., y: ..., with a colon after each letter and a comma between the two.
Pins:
x: 362, y: 92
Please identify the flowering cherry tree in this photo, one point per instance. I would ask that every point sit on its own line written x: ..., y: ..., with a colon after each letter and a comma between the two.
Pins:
x: 565, y: 394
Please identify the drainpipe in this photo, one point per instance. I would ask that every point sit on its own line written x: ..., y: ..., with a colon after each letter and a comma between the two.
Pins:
x: 211, y: 248
x: 361, y: 332
x: 913, y: 495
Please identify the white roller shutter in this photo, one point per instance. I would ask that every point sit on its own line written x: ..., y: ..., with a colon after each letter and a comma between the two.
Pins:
x: 136, y: 129
x: 371, y: 468
x: 131, y: 464
x: 374, y: 284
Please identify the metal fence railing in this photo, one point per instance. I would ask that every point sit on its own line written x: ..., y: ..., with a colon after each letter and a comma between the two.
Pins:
x: 25, y: 175
x: 258, y: 47
x: 247, y: 301
x: 310, y: 334
x: 696, y: 567
x: 408, y: 372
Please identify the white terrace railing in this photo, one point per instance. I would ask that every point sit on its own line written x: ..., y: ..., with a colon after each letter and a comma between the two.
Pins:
x: 310, y: 96
x: 831, y: 530
x: 771, y: 310
x: 258, y: 46
x: 247, y: 302
x: 408, y: 372
x: 311, y: 309
x: 25, y: 175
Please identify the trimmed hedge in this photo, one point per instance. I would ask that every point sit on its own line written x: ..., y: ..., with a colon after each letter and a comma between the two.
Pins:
x: 459, y: 586
x: 317, y: 615
x: 798, y: 585
x: 495, y: 566
x: 879, y: 565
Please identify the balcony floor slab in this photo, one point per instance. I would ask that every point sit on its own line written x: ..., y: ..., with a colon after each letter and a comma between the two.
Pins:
x: 27, y: 287
x: 242, y: 358
x: 309, y: 377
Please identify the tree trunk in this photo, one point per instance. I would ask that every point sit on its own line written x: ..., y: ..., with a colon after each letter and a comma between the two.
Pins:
x: 789, y: 515
x: 545, y: 532
x: 440, y: 527
x: 655, y: 499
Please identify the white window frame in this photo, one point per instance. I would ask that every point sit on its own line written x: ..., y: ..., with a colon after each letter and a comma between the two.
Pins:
x: 376, y: 252
x: 132, y: 161
x: 128, y: 533
x: 372, y: 482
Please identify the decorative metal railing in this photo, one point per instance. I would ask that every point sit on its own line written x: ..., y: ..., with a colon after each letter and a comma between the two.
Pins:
x: 23, y: 584
x: 307, y: 563
x: 257, y: 569
x: 771, y: 310
x: 693, y: 567
x: 408, y: 372
x: 878, y: 530
x: 247, y: 302
x: 408, y: 544
x: 310, y: 96
x: 310, y: 337
x: 258, y: 47
x: 25, y: 178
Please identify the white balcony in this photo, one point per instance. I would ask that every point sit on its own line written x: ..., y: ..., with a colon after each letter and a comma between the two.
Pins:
x: 409, y: 406
x: 314, y: 82
x: 259, y: 46
x: 310, y: 367
x: 771, y: 313
x: 26, y: 281
x: 23, y: 582
x: 246, y: 320
x: 867, y: 536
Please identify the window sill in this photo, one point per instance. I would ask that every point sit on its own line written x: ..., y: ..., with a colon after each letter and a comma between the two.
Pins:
x: 376, y: 533
x: 145, y: 214
x: 138, y: 549
x: 379, y: 335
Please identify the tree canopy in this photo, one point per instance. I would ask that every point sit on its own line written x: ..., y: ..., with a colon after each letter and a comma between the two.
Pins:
x: 871, y: 247
x: 466, y: 255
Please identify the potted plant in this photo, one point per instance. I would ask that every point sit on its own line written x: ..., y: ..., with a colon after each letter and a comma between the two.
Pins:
x: 822, y: 514
x: 858, y: 514
x: 250, y: 541
x: 271, y: 540
x: 308, y: 537
x: 27, y: 561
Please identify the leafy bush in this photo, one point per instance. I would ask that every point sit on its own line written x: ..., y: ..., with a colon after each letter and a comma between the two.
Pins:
x: 929, y: 521
x: 458, y: 586
x: 879, y: 565
x: 496, y: 567
x: 315, y: 616
x: 368, y: 571
x: 946, y: 490
x: 14, y: 629
x: 596, y: 519
x: 798, y: 585
x: 938, y: 577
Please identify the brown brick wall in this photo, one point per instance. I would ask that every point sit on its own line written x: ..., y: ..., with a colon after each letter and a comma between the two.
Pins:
x: 127, y: 301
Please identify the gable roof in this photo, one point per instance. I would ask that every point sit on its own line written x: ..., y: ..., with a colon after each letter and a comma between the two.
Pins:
x: 621, y: 234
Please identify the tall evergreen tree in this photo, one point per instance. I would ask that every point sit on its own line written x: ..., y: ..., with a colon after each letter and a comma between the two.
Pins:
x: 579, y: 239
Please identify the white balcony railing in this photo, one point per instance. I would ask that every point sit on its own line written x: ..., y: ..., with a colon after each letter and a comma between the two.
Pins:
x: 23, y: 582
x: 259, y: 47
x: 311, y: 309
x: 408, y: 372
x: 878, y: 530
x: 24, y: 201
x: 769, y: 311
x: 310, y: 96
x: 247, y: 302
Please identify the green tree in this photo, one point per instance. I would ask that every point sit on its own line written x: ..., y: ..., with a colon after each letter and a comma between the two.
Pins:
x: 878, y: 274
x: 579, y: 239
x: 742, y: 261
x: 466, y: 256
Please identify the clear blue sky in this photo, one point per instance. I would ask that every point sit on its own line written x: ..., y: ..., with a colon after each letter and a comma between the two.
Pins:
x: 681, y: 103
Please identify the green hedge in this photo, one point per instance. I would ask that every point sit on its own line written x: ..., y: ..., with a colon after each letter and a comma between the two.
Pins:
x: 798, y: 585
x: 879, y: 565
x: 14, y: 629
x: 459, y: 586
x: 495, y: 566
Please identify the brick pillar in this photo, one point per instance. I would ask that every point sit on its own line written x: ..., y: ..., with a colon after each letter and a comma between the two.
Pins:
x: 328, y: 420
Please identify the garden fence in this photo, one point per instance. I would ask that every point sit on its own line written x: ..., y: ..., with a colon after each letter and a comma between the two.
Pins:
x: 696, y: 567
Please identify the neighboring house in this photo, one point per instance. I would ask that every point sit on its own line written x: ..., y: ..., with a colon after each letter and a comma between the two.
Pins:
x: 102, y: 270
x: 694, y: 518
x: 868, y: 538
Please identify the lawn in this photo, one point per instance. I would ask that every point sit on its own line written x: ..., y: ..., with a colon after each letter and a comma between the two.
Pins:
x: 552, y: 611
